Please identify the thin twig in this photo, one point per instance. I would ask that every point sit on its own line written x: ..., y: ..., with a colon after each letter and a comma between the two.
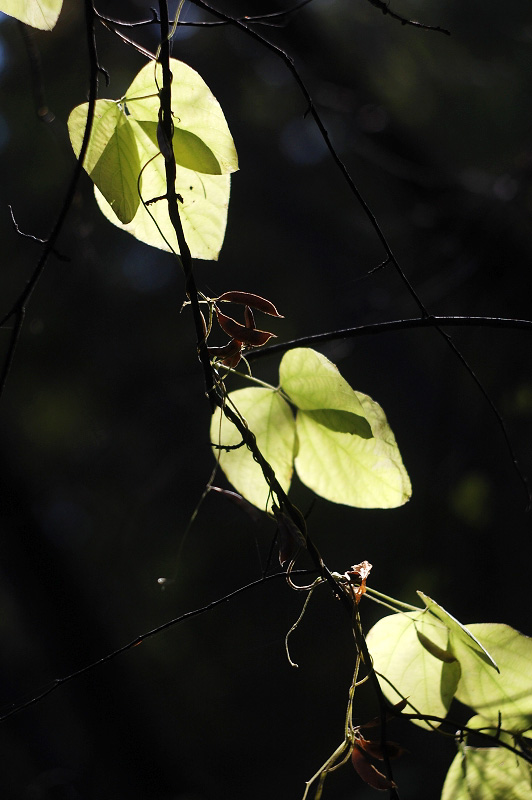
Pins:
x: 423, y: 322
x: 382, y: 6
x: 18, y: 309
x: 16, y: 708
x: 389, y: 326
x: 257, y: 19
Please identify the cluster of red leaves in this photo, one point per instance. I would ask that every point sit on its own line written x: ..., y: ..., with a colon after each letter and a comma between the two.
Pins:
x: 242, y: 336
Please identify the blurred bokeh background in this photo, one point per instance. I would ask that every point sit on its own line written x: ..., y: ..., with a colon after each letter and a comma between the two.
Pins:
x: 104, y: 426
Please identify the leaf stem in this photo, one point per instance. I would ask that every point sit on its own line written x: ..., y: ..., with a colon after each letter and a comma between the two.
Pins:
x: 391, y: 602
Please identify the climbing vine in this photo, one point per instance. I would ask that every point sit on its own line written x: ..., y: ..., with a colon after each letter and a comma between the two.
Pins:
x: 160, y: 158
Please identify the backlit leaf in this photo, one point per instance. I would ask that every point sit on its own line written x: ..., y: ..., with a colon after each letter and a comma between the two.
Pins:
x: 202, y: 141
x: 428, y: 682
x: 487, y: 773
x: 459, y: 631
x: 271, y: 420
x: 312, y: 382
x: 347, y: 452
x: 338, y: 461
x: 42, y: 14
x: 112, y: 158
x: 488, y: 692
x: 203, y: 209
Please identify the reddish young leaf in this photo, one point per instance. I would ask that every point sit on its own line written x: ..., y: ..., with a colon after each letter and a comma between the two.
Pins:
x: 249, y: 317
x: 369, y: 773
x: 249, y: 336
x: 232, y: 361
x: 229, y: 349
x: 374, y: 749
x: 254, y: 300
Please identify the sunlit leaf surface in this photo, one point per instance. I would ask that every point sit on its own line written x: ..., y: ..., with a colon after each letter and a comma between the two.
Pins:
x: 128, y: 170
x: 42, y: 14
x: 408, y: 668
x: 459, y: 631
x: 339, y: 462
x: 271, y: 420
x: 112, y: 158
x: 488, y: 692
x: 487, y: 773
x: 312, y: 382
x: 202, y: 208
x: 202, y: 140
x: 347, y: 452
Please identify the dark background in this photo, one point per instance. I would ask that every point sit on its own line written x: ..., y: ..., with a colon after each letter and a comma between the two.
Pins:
x: 104, y: 427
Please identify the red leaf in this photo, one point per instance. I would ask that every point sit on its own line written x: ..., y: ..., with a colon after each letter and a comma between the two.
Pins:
x: 249, y: 317
x: 254, y: 300
x: 249, y: 336
x: 374, y: 749
x: 369, y: 773
x: 229, y: 349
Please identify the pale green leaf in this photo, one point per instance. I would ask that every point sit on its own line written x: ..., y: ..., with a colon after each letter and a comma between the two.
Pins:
x: 112, y: 158
x: 189, y: 150
x: 340, y: 464
x: 271, y: 420
x: 487, y: 773
x: 312, y: 382
x: 202, y: 140
x: 489, y: 693
x: 42, y: 14
x: 202, y: 208
x: 459, y: 631
x: 405, y: 666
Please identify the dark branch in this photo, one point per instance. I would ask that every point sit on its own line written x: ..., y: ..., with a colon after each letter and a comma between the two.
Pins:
x: 258, y: 19
x: 138, y: 640
x: 18, y: 309
x: 405, y: 21
x: 392, y: 325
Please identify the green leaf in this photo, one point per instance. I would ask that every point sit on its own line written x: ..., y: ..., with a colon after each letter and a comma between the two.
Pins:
x: 487, y: 773
x: 112, y: 159
x: 312, y: 382
x: 406, y: 667
x: 459, y: 631
x: 202, y: 140
x: 203, y: 209
x: 345, y: 467
x: 42, y: 14
x: 189, y: 150
x: 347, y: 452
x: 488, y: 692
x: 271, y: 420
